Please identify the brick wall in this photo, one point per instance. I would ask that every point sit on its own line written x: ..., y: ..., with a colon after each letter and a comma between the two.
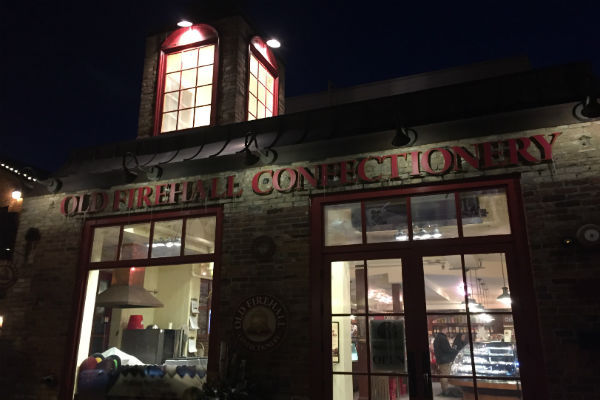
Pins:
x: 234, y: 38
x: 38, y: 308
x: 558, y: 198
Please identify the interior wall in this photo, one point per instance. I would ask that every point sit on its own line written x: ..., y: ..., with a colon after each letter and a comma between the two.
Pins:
x: 340, y: 292
x: 174, y: 292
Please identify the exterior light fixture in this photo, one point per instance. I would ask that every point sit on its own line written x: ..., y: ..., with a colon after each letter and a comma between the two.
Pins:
x: 591, y: 108
x: 588, y: 108
x: 16, y: 194
x: 1, y: 320
x: 273, y: 43
x: 404, y: 136
x: 251, y: 157
x: 132, y: 168
x: 184, y: 24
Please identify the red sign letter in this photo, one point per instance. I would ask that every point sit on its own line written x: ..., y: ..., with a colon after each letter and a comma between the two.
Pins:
x: 256, y: 179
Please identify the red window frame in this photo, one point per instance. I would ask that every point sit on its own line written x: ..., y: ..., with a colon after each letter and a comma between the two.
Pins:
x: 266, y: 57
x: 85, y: 265
x: 524, y: 308
x: 176, y: 42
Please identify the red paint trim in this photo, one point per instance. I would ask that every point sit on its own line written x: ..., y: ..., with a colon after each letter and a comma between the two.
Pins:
x: 458, y: 205
x: 68, y: 379
x: 151, y: 241
x: 363, y: 223
x: 269, y: 59
x: 317, y: 382
x: 524, y: 307
x: 120, y: 243
x: 409, y: 227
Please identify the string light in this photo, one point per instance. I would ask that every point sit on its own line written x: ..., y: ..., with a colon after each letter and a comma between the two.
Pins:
x: 16, y: 171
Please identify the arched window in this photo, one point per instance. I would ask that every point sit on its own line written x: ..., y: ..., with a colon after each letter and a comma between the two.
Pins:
x: 186, y: 79
x: 263, y: 81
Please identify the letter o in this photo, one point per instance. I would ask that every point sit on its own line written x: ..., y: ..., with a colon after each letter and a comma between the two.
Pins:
x: 427, y: 156
x: 72, y: 205
x: 277, y: 177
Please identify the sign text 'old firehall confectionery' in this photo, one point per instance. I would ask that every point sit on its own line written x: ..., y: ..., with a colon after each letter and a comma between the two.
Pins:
x: 487, y: 155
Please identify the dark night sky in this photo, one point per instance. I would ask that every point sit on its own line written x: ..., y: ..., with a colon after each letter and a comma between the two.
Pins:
x: 71, y: 70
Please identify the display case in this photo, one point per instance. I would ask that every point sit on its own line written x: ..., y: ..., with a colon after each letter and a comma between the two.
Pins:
x: 491, y: 359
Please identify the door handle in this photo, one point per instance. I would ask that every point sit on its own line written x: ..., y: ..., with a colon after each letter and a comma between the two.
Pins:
x: 427, y: 388
x: 427, y: 385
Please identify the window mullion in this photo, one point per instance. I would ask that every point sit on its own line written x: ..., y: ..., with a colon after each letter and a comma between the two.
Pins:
x: 120, y: 242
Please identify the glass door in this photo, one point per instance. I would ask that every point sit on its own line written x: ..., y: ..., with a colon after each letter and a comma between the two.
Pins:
x: 470, y: 330
x: 368, y: 332
x: 423, y: 327
x: 412, y: 288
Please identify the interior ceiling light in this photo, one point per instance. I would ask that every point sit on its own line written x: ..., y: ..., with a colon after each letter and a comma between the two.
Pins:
x: 401, y: 236
x: 273, y: 43
x: 504, y: 298
x: 184, y: 24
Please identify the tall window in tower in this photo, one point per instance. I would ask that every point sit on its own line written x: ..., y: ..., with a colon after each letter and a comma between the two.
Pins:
x: 187, y: 79
x: 262, y: 81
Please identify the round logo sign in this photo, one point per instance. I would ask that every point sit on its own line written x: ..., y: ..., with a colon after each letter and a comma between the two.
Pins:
x: 260, y: 322
x: 8, y: 276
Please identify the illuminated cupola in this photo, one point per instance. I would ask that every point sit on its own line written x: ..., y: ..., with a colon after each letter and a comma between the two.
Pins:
x: 201, y: 75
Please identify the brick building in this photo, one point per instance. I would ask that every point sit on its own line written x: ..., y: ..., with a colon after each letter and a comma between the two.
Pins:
x: 334, y: 248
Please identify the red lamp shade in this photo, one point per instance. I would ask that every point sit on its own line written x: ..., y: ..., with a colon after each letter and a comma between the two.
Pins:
x: 135, y: 322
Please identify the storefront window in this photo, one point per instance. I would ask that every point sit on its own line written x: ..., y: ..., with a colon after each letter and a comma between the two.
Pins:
x: 481, y: 336
x: 200, y: 235
x: 443, y: 304
x: 166, y: 240
x: 483, y: 213
x: 385, y: 286
x: 386, y: 220
x: 367, y: 341
x: 343, y: 224
x: 142, y: 321
x: 434, y: 217
x: 106, y: 244
x: 135, y: 241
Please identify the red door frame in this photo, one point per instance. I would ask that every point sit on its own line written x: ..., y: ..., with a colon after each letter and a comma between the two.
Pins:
x: 66, y: 388
x: 524, y: 307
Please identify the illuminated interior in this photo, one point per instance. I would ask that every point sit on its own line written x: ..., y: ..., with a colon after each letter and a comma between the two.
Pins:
x: 188, y: 88
x: 142, y: 315
x: 369, y: 357
x: 261, y: 90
